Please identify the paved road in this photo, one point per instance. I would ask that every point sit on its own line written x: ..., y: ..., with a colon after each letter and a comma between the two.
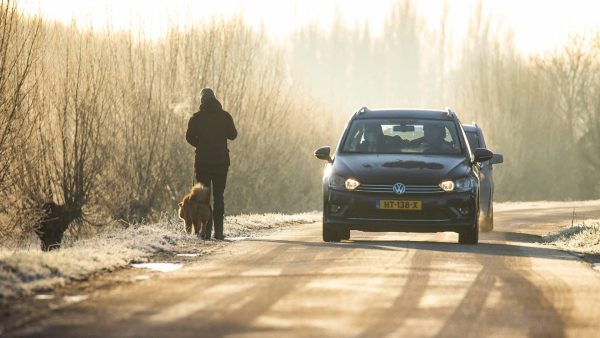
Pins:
x: 377, y: 284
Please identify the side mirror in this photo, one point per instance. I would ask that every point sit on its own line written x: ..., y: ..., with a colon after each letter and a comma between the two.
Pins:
x: 482, y: 155
x: 497, y: 159
x: 323, y: 154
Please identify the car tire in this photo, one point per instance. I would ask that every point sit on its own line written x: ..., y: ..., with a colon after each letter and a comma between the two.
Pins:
x: 470, y: 236
x: 488, y: 220
x: 330, y: 234
x: 345, y: 234
x: 487, y: 224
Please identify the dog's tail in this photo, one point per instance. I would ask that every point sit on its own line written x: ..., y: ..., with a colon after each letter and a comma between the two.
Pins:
x: 201, y: 193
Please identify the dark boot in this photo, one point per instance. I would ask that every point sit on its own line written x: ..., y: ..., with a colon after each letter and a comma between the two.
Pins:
x: 218, y: 221
x: 208, y: 229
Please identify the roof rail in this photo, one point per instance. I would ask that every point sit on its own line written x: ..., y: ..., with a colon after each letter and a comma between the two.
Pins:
x: 362, y: 110
x: 449, y: 112
x: 474, y: 123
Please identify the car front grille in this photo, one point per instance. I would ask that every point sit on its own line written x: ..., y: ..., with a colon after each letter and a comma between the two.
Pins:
x: 410, y: 189
x: 399, y: 215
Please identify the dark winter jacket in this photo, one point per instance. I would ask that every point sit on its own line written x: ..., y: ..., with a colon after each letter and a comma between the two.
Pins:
x: 208, y: 131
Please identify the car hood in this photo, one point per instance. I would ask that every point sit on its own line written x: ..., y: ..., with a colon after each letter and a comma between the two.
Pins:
x: 405, y: 168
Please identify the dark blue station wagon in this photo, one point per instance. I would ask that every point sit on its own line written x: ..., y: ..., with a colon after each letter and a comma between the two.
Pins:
x: 402, y: 170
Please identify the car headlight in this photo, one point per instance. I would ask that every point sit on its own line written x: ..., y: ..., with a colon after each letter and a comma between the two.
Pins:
x: 447, y: 186
x: 461, y: 184
x: 339, y: 182
x: 351, y: 184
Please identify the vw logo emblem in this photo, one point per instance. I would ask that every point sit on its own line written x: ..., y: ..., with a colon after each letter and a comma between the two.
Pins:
x: 399, y: 188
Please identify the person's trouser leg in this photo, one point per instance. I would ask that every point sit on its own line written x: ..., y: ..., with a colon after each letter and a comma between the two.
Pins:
x: 205, y: 177
x: 219, y: 180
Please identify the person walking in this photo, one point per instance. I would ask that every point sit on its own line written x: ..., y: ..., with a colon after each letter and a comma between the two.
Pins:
x: 208, y: 131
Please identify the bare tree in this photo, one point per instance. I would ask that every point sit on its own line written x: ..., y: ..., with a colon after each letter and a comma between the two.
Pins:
x: 70, y: 150
x: 18, y: 53
x: 19, y: 48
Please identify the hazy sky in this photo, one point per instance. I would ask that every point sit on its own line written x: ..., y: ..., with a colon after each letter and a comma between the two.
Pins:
x: 538, y: 24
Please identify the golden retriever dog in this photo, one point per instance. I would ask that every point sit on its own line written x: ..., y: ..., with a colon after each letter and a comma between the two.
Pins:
x: 195, y: 210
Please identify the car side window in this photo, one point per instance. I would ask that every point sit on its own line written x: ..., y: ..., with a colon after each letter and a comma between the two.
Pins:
x: 355, y: 138
x: 473, y: 139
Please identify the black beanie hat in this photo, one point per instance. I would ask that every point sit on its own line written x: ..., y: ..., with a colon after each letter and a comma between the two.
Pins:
x: 206, y: 95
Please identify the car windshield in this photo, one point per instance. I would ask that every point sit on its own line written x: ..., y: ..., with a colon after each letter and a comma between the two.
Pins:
x: 403, y: 136
x: 473, y: 140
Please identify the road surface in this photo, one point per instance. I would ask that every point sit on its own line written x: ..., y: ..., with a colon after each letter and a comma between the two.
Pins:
x: 377, y: 284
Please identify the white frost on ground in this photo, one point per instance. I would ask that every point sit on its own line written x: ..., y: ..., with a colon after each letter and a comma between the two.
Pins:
x: 23, y: 271
x: 504, y: 206
x: 582, y: 237
x: 247, y: 225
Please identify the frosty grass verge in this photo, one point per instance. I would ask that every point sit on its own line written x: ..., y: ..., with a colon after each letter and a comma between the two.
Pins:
x: 27, y: 270
x: 583, y: 237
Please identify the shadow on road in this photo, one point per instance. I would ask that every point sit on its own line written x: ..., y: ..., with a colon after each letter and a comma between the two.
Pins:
x: 495, y: 249
x: 341, y: 245
x: 510, y: 236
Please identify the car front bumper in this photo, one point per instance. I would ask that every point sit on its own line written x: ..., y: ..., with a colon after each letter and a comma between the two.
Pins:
x: 454, y: 211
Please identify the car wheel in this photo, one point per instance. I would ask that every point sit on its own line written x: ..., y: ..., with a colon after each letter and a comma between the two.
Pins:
x: 486, y: 224
x: 330, y: 234
x: 345, y: 234
x: 470, y: 236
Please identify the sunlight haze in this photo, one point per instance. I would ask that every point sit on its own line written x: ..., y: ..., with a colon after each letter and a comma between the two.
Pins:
x: 538, y: 25
x: 293, y: 168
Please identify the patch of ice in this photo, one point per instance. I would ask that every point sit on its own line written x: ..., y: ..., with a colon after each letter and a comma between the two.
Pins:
x: 188, y: 255
x: 43, y: 297
x: 76, y: 298
x: 162, y: 267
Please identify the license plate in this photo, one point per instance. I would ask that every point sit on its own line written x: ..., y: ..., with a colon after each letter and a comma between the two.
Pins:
x: 399, y: 205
